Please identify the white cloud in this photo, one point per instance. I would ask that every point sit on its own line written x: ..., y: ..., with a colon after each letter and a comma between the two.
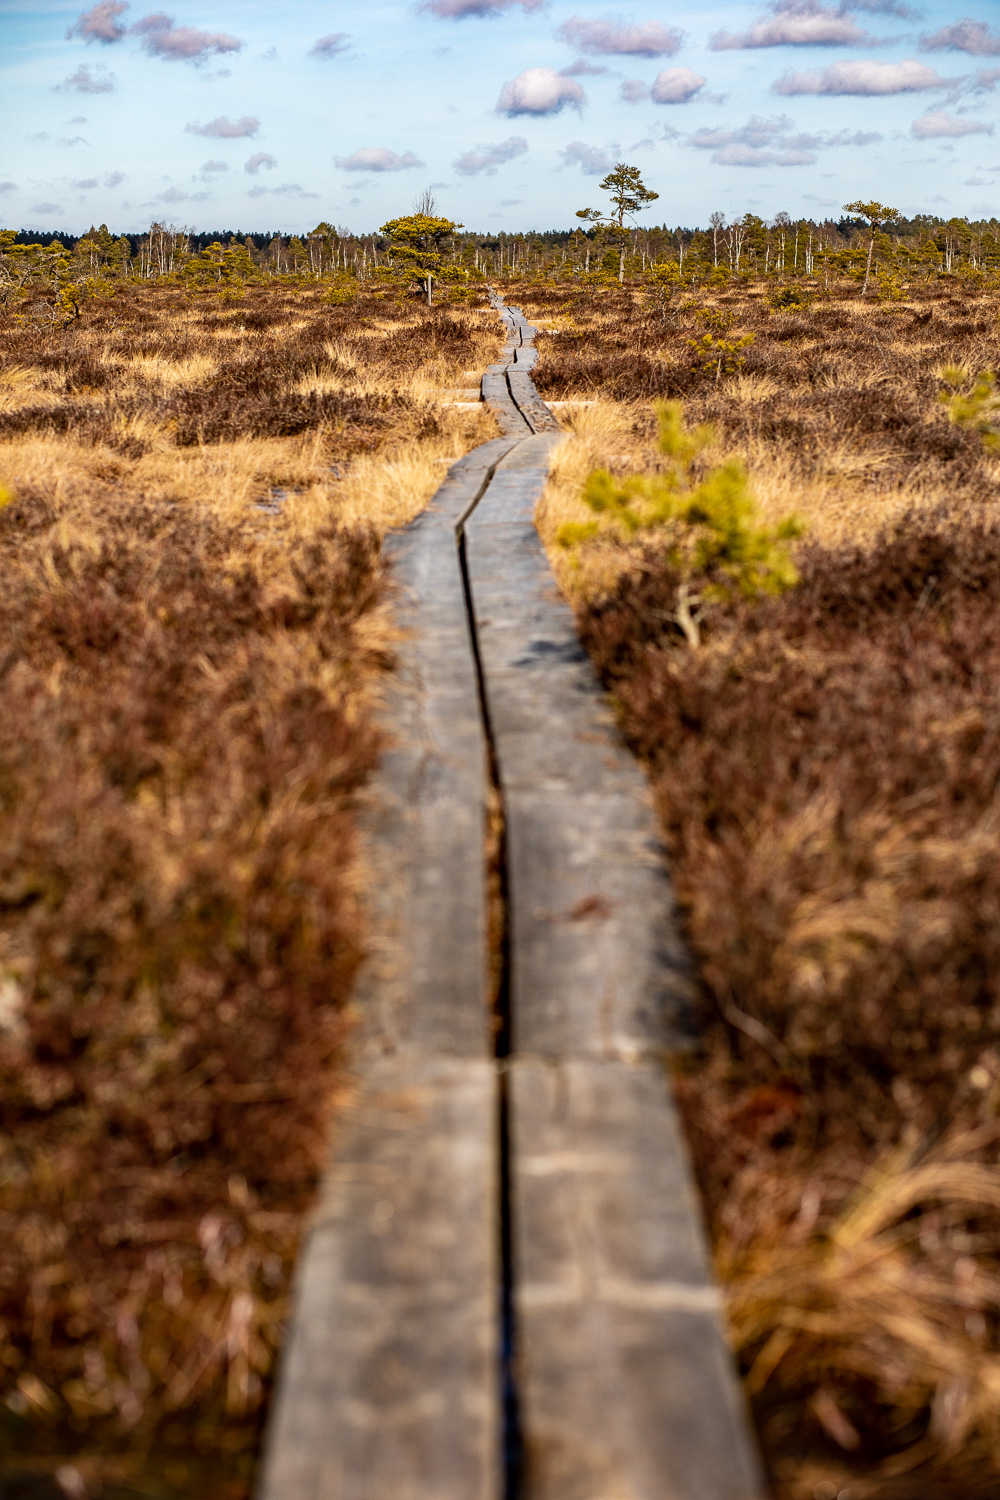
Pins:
x: 773, y: 142
x: 226, y: 129
x: 486, y: 158
x: 88, y: 81
x: 795, y: 23
x: 591, y: 160
x: 676, y: 86
x: 633, y: 90
x: 177, y: 195
x: 284, y: 190
x: 966, y: 35
x: 862, y: 76
x: 377, y: 159
x: 8, y: 187
x: 84, y: 183
x: 332, y: 45
x: 610, y: 38
x: 539, y: 91
x: 258, y: 160
x: 884, y: 8
x: 458, y: 10
x: 114, y: 179
x: 100, y: 23
x: 214, y: 166
x: 939, y: 123
x: 581, y: 68
x: 162, y: 38
x: 46, y: 208
x: 755, y: 156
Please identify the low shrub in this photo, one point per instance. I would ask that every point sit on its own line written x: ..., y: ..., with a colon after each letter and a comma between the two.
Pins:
x: 179, y: 750
x: 826, y: 770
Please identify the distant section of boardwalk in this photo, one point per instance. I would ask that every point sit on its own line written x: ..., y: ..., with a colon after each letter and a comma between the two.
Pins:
x: 505, y: 1292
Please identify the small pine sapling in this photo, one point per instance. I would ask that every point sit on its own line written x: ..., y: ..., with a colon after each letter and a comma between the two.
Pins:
x: 714, y: 350
x: 978, y: 408
x: 662, y: 281
x: 717, y: 538
x: 417, y: 245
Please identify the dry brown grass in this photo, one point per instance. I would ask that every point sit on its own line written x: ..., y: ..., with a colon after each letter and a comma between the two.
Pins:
x: 826, y: 767
x: 185, y: 726
x: 342, y: 411
x: 834, y: 411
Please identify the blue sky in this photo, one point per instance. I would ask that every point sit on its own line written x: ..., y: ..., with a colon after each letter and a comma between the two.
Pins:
x: 241, y: 114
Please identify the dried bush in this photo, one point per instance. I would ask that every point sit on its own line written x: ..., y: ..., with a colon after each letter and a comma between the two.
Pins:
x: 825, y: 765
x: 182, y: 739
x: 178, y: 935
x: 826, y: 771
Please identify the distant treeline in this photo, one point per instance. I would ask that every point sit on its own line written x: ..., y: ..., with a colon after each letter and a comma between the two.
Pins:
x: 926, y: 224
x: 70, y: 269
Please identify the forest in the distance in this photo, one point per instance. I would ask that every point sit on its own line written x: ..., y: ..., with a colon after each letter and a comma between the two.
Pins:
x: 76, y: 268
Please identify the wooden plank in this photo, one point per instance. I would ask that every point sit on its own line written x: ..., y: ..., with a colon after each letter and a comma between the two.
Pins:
x: 626, y: 1389
x: 529, y: 402
x: 390, y: 1384
x: 507, y: 387
x: 625, y: 1384
x: 597, y: 964
x: 497, y: 397
x: 423, y: 827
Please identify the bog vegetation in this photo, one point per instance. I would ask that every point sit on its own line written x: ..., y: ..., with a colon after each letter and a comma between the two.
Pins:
x: 191, y: 621
x: 825, y: 755
x: 870, y: 244
x: 778, y: 518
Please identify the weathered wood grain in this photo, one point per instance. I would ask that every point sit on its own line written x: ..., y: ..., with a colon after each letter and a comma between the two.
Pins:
x: 390, y: 1384
x: 528, y: 401
x: 507, y: 387
x: 424, y: 824
x: 497, y: 397
x: 627, y: 1391
x: 597, y: 965
x: 626, y: 1387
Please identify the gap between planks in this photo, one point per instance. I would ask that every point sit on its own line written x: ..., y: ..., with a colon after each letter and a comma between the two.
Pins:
x: 392, y: 1382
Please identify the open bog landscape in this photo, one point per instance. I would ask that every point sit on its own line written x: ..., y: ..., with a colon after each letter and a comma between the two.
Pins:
x: 824, y: 775
x: 500, y: 827
x: 194, y: 621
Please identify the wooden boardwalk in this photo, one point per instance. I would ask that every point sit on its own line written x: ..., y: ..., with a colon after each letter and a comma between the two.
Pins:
x: 504, y: 1293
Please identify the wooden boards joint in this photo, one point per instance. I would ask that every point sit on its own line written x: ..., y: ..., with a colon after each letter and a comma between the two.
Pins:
x: 505, y: 1292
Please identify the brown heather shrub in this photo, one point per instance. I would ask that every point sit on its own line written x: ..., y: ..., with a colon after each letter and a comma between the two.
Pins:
x: 826, y: 771
x: 184, y: 684
x: 826, y: 767
x: 179, y: 751
x: 838, y: 372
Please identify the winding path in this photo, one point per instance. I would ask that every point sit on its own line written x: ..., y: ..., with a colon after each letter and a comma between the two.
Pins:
x: 504, y: 1293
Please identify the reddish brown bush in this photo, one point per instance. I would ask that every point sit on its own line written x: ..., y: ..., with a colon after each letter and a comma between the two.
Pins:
x: 178, y: 936
x: 826, y: 770
x: 826, y: 766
